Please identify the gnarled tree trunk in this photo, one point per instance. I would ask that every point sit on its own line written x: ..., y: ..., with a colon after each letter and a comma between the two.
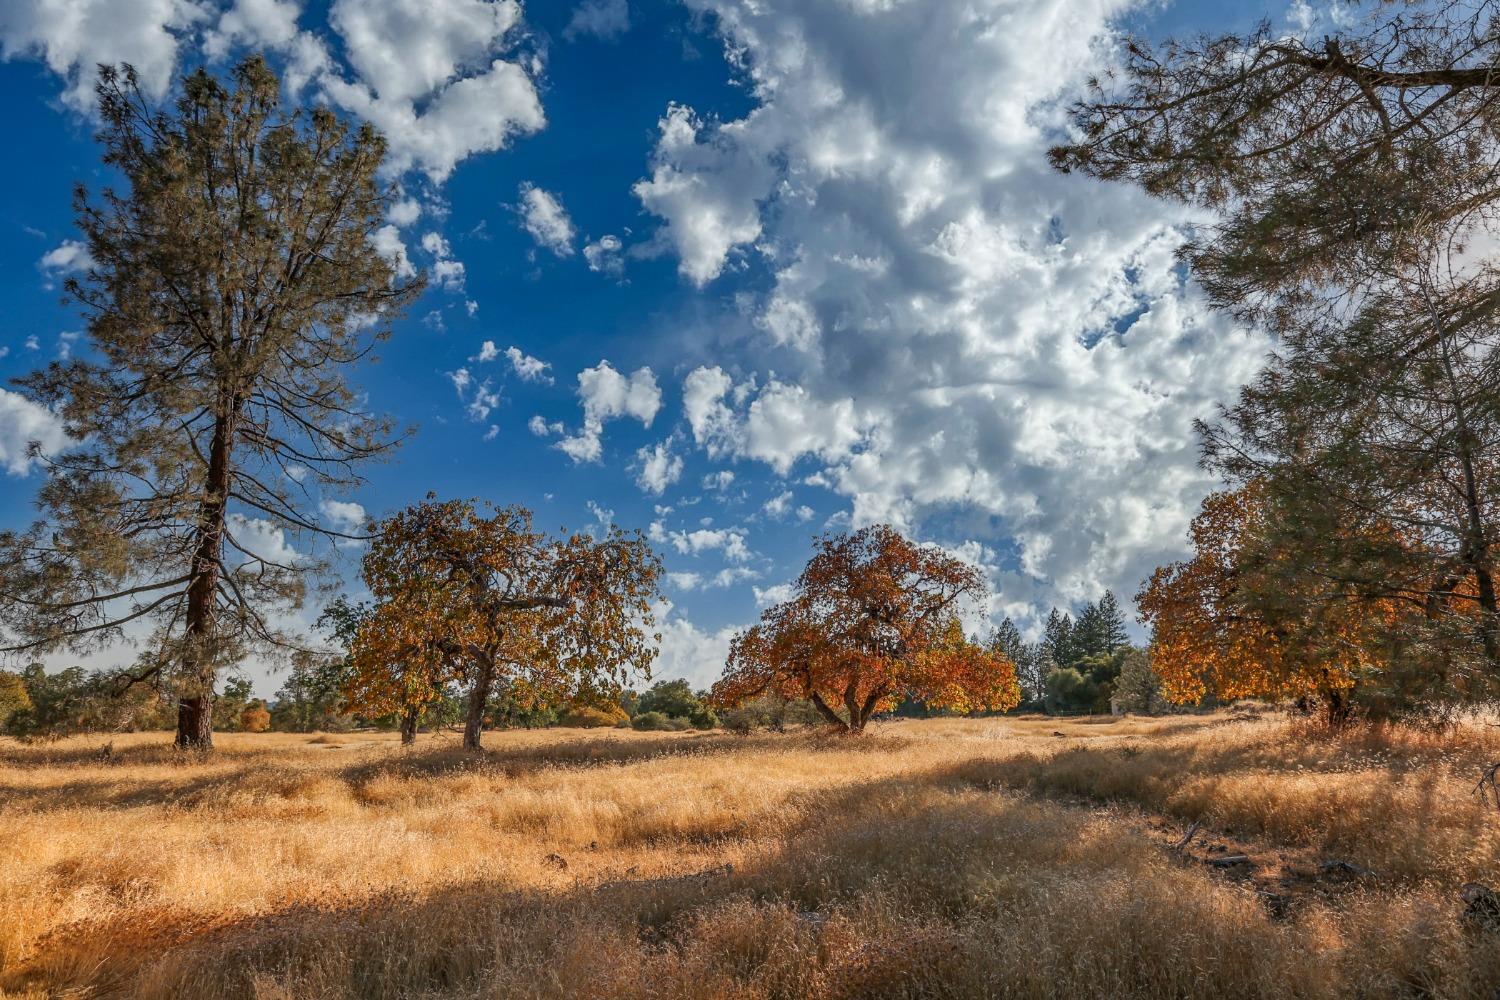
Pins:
x: 479, y: 696
x: 834, y: 719
x: 409, y: 717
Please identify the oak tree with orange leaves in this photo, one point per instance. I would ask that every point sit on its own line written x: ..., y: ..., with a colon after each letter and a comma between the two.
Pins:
x: 1244, y: 618
x: 471, y: 591
x: 875, y: 618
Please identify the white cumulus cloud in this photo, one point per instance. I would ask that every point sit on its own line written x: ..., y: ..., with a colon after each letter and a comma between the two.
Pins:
x: 657, y: 467
x: 545, y: 219
x: 527, y: 368
x: 606, y: 395
x: 953, y: 326
x: 23, y: 423
x: 434, y: 79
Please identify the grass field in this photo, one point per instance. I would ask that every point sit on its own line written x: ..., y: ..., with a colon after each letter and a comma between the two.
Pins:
x: 1016, y: 857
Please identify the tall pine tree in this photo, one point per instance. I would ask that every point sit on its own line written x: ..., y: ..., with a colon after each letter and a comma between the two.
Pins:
x: 1112, y: 629
x: 233, y: 284
x: 1057, y: 639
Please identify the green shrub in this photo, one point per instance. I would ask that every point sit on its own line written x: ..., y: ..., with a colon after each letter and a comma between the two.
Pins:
x: 651, y: 721
x: 75, y: 701
x: 676, y: 699
x: 770, y: 711
x: 739, y: 721
x: 14, y: 697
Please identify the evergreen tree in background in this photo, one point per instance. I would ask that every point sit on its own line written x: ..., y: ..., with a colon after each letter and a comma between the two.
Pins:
x: 1088, y: 633
x: 1138, y: 689
x: 1111, y: 622
x: 1057, y: 638
x: 1007, y: 641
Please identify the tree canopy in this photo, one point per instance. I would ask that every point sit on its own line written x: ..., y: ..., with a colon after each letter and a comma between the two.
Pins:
x: 473, y: 591
x: 1320, y: 161
x: 1351, y: 189
x: 1243, y: 617
x: 875, y: 618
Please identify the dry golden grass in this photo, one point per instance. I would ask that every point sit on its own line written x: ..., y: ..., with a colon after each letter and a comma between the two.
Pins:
x: 934, y: 858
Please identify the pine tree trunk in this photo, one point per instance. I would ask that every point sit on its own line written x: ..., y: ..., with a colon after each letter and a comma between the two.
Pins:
x: 195, y: 710
x: 1475, y: 550
x: 195, y: 723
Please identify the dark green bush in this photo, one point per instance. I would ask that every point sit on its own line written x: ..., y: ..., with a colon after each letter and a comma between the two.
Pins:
x: 650, y: 721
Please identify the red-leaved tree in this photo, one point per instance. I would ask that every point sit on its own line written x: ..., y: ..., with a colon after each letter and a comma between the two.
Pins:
x: 875, y: 619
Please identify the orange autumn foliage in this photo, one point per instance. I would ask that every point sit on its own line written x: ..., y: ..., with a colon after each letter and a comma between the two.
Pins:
x: 472, y: 592
x: 874, y: 620
x: 255, y: 718
x: 1215, y: 632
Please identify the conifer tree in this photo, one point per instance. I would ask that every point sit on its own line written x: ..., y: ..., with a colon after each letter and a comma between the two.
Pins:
x: 1111, y: 623
x: 1057, y: 638
x: 232, y: 285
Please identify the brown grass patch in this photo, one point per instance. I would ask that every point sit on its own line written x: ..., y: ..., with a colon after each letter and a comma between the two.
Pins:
x: 932, y: 858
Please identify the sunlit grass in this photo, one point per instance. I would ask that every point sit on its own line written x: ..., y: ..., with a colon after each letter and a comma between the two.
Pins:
x: 931, y: 858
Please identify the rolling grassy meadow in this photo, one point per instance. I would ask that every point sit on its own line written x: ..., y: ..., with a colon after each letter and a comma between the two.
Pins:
x: 1025, y: 857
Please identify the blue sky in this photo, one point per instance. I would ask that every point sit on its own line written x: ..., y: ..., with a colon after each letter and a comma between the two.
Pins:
x: 815, y: 243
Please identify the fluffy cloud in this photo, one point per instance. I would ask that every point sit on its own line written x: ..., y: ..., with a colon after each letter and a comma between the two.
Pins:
x: 447, y: 273
x: 722, y: 580
x: 387, y: 242
x: 657, y: 467
x: 774, y: 595
x: 691, y: 543
x: 606, y: 394
x: 781, y: 424
x: 343, y: 515
x: 689, y: 651
x: 545, y: 219
x: 442, y: 80
x: 706, y: 187
x: 712, y: 422
x: 23, y: 422
x: 68, y: 257
x: 778, y: 506
x: 76, y: 36
x: 527, y: 368
x: 606, y: 19
x: 478, y: 397
x: 603, y: 255
x: 431, y: 78
x: 256, y: 24
x: 405, y: 212
x: 259, y: 541
x: 954, y: 327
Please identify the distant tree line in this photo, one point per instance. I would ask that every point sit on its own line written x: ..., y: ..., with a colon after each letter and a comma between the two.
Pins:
x: 1077, y: 665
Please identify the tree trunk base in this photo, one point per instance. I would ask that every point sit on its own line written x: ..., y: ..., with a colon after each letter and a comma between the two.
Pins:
x: 195, y: 724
